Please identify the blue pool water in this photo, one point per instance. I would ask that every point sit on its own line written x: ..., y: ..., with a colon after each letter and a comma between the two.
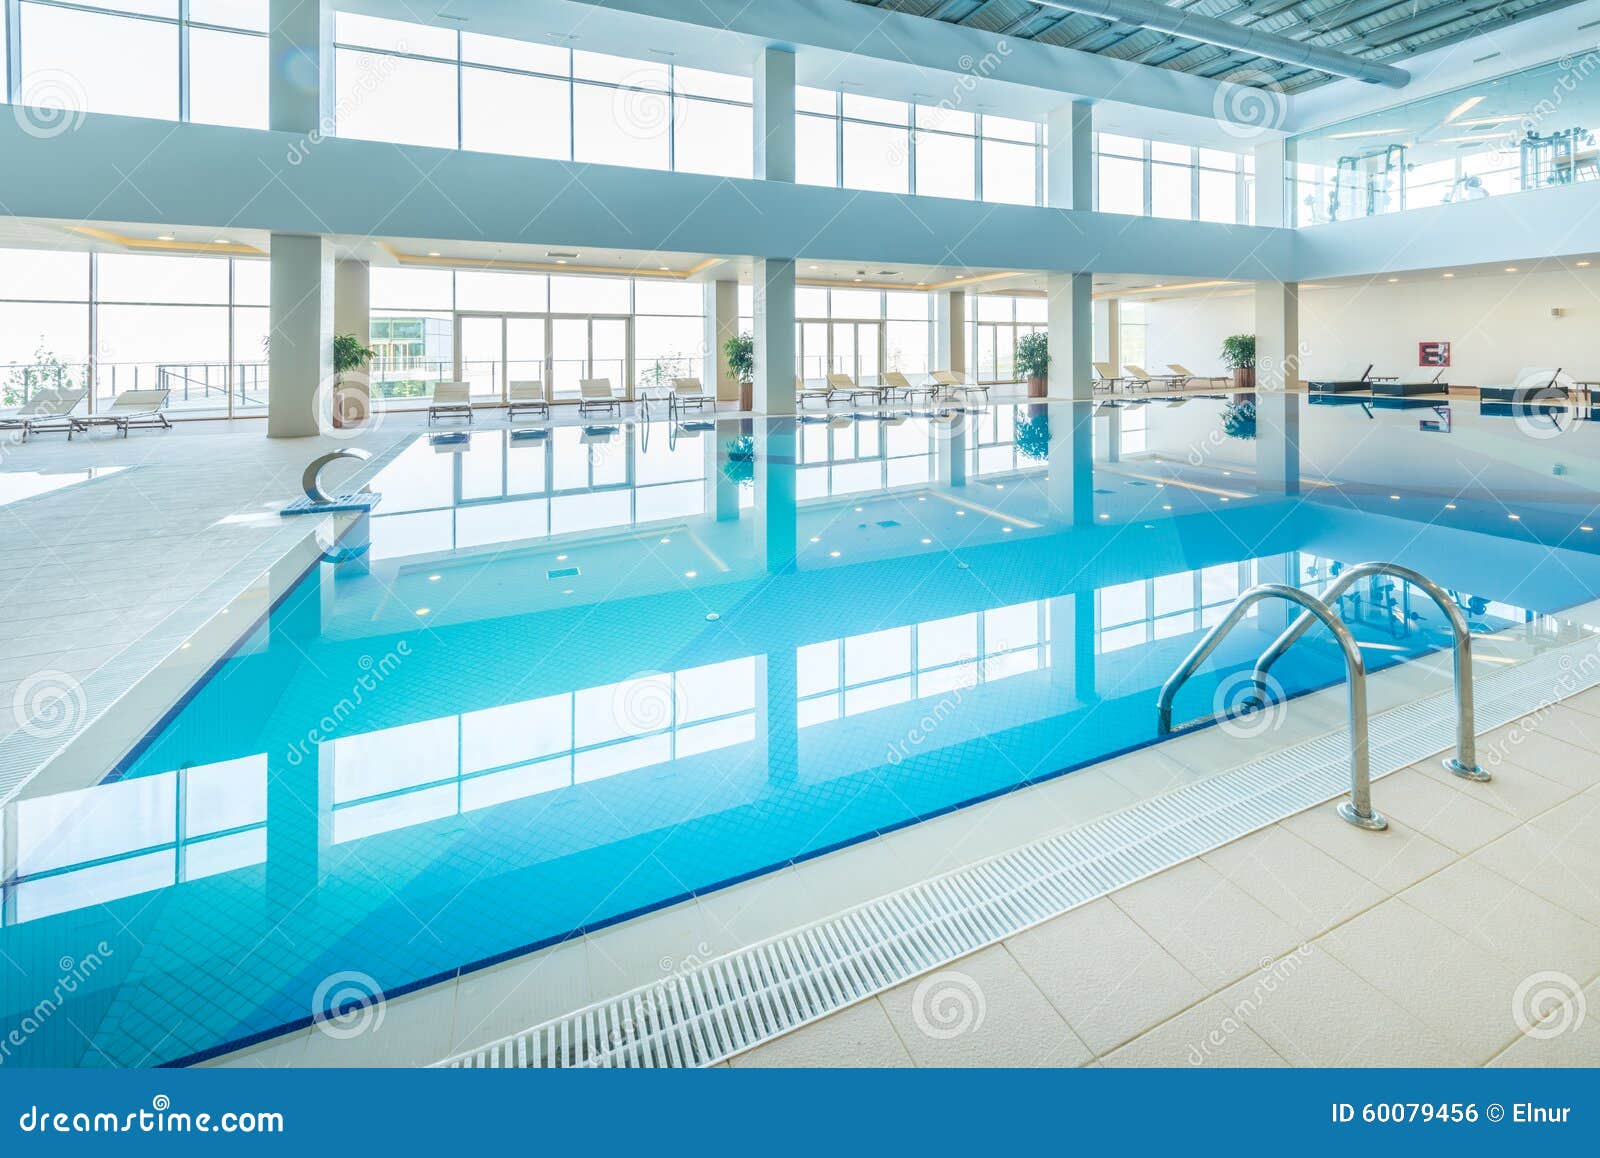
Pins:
x: 581, y: 676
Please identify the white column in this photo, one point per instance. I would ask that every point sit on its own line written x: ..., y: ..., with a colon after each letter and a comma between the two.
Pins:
x: 1069, y: 173
x: 352, y: 314
x: 722, y: 323
x: 1273, y: 206
x: 774, y: 115
x: 1108, y: 334
x: 1277, y: 335
x: 300, y: 93
x: 1071, y: 342
x: 950, y: 331
x: 774, y: 334
x: 300, y: 356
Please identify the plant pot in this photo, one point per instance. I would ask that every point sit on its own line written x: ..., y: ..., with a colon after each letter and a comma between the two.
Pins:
x: 1036, y: 387
x: 747, y: 396
x: 1244, y: 378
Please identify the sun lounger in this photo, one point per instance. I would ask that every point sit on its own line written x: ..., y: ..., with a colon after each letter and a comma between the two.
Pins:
x: 450, y: 400
x: 1105, y: 376
x: 1142, y: 378
x: 46, y: 411
x: 129, y: 409
x: 1189, y: 376
x: 596, y: 394
x: 895, y: 382
x: 802, y: 392
x: 956, y: 381
x: 688, y: 392
x: 527, y: 395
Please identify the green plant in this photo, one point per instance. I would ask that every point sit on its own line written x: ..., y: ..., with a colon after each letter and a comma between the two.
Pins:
x: 1033, y: 437
x: 1033, y: 355
x: 45, y: 372
x: 741, y: 465
x: 1239, y: 420
x: 741, y: 354
x: 1239, y: 352
x: 349, y: 353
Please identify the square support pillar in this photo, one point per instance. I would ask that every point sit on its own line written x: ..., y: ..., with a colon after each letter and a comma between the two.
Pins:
x: 1069, y: 156
x: 775, y: 353
x: 1071, y: 342
x: 722, y: 323
x: 1277, y: 336
x: 300, y: 357
x: 300, y: 94
x: 1274, y: 206
x: 1108, y: 334
x: 352, y: 314
x: 773, y: 119
x: 950, y: 331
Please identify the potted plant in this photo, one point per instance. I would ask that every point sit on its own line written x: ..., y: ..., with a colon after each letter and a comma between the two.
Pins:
x: 1033, y: 362
x: 1239, y: 419
x: 1239, y: 355
x: 740, y: 352
x: 1033, y: 435
x: 350, y: 404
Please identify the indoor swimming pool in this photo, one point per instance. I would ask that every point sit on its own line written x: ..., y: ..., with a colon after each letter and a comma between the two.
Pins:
x: 572, y: 674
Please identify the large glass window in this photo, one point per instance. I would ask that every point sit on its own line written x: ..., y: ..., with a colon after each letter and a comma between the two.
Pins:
x: 399, y: 82
x: 146, y: 58
x: 1161, y: 179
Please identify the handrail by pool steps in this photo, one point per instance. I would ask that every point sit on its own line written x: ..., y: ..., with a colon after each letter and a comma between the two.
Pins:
x: 1358, y: 809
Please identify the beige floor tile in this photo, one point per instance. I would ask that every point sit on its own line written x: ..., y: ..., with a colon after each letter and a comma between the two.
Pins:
x: 1214, y: 929
x: 1541, y: 742
x: 1575, y: 823
x: 981, y: 1010
x: 858, y: 1036
x: 414, y: 1030
x: 1314, y: 1011
x: 1567, y: 1035
x: 1587, y: 702
x: 1514, y: 789
x: 648, y: 949
x: 1150, y: 772
x: 1452, y: 818
x: 1393, y: 859
x: 1526, y: 931
x: 1295, y: 879
x: 504, y: 999
x: 1207, y: 1036
x: 1108, y: 977
x: 1560, y: 870
x: 1457, y: 988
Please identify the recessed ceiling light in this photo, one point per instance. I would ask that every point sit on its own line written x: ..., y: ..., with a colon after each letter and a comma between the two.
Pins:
x: 665, y: 539
x: 1582, y: 264
x: 434, y: 578
x: 1447, y: 275
x: 561, y: 261
x: 1449, y: 506
x: 222, y: 241
x: 1515, y: 518
x: 433, y: 253
x: 833, y: 554
x: 1105, y: 516
x: 1394, y: 498
x: 1007, y: 530
x: 1511, y: 269
x: 690, y: 574
x: 1394, y: 279
x: 926, y: 542
x: 165, y: 237
x: 1586, y: 528
x: 423, y: 610
x: 662, y: 268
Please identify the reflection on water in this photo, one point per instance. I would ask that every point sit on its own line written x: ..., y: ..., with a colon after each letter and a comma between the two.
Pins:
x: 582, y: 675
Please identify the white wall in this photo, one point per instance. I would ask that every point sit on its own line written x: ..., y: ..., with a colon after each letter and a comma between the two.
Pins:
x: 1495, y: 325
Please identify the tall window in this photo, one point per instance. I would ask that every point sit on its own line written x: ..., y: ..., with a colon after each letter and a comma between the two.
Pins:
x: 1159, y: 179
x: 998, y: 321
x: 419, y: 85
x: 204, y: 60
x: 194, y: 326
x: 1131, y: 332
x: 851, y: 141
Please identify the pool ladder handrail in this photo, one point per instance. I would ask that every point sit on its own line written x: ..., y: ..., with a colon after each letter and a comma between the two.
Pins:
x: 1358, y: 809
x: 1465, y: 762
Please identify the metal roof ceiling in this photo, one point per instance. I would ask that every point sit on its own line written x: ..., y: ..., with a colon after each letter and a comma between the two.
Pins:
x: 1379, y: 30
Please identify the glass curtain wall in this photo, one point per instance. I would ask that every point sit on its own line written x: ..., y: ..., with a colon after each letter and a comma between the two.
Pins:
x: 195, y: 326
x: 419, y: 85
x: 997, y: 322
x: 1527, y: 130
x: 176, y: 60
x: 862, y: 333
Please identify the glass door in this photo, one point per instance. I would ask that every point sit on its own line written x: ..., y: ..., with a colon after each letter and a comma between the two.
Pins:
x: 814, y: 363
x: 480, y: 355
x: 569, y: 357
x: 608, y: 353
x: 525, y: 350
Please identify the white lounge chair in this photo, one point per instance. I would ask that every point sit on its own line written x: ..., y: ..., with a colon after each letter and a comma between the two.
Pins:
x: 527, y: 394
x: 1189, y: 376
x: 802, y: 392
x: 954, y: 380
x: 1142, y: 378
x: 129, y: 409
x: 846, y: 385
x: 596, y: 394
x: 46, y: 411
x: 450, y: 400
x: 1105, y: 376
x: 894, y: 382
x: 689, y: 392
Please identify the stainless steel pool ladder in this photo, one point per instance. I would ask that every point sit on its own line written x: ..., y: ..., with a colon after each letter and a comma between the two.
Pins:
x: 1358, y: 809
